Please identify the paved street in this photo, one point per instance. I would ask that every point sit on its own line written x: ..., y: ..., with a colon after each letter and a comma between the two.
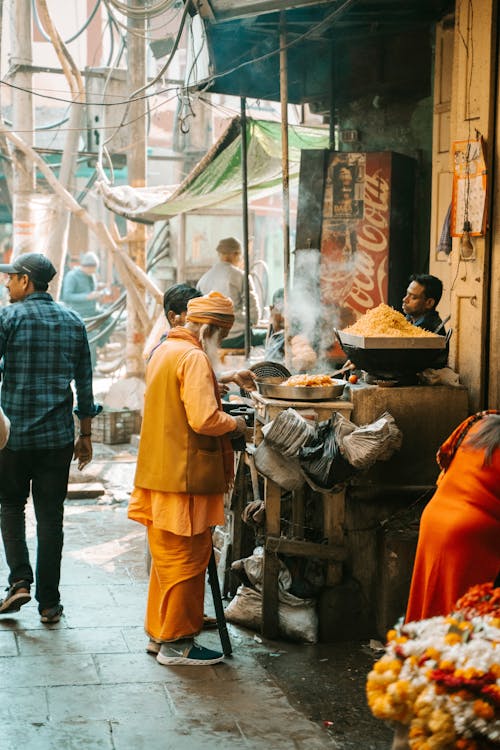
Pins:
x: 88, y: 683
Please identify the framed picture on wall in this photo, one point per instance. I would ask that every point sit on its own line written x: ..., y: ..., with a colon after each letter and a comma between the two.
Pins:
x: 468, y: 203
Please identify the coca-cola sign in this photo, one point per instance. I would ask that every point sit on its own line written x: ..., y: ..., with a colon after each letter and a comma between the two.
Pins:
x: 355, y: 238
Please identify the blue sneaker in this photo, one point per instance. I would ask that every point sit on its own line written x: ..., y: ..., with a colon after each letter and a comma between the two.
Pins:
x: 187, y: 651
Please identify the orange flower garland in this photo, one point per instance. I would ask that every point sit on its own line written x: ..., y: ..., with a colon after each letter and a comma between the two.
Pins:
x: 441, y: 676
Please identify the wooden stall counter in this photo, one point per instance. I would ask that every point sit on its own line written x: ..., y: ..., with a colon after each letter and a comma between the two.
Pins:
x: 276, y: 541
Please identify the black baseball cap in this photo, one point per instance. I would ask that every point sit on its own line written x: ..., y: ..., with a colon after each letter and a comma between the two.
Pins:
x: 36, y: 265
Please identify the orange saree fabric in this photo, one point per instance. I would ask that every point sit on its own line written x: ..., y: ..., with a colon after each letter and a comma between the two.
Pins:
x: 459, y: 539
x: 176, y: 584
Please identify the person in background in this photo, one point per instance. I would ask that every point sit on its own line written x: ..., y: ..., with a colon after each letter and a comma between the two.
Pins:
x: 81, y: 292
x: 45, y: 349
x: 459, y: 538
x: 80, y: 289
x: 275, y: 343
x: 227, y: 277
x: 184, y: 465
x: 421, y: 300
x: 175, y: 301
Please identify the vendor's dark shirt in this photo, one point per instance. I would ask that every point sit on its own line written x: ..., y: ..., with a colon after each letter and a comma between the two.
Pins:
x: 45, y: 348
x: 431, y: 321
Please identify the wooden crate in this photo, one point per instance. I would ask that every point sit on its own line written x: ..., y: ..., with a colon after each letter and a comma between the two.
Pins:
x: 113, y: 426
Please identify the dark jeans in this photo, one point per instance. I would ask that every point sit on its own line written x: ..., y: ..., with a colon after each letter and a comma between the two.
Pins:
x: 47, y: 470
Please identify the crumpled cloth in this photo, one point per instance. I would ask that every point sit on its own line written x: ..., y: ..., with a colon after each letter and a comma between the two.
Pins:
x: 442, y: 376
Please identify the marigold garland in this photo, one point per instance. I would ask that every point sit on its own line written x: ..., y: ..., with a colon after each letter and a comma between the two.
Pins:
x: 441, y: 676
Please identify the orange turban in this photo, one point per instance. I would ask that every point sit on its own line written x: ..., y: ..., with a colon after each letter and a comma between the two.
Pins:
x: 211, y: 308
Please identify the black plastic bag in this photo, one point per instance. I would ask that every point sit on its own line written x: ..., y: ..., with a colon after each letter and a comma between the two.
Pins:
x: 322, y: 462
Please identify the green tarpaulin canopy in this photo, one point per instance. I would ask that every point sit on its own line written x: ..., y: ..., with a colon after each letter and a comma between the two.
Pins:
x: 216, y: 181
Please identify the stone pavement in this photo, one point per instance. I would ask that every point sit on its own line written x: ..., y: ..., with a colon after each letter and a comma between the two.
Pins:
x: 87, y: 683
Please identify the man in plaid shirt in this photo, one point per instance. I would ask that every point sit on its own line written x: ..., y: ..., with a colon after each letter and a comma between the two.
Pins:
x: 44, y: 348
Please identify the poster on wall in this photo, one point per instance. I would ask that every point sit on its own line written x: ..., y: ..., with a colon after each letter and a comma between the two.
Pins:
x: 344, y: 186
x: 468, y: 203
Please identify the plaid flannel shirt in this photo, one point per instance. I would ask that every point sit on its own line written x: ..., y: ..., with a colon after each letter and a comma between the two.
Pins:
x: 44, y: 348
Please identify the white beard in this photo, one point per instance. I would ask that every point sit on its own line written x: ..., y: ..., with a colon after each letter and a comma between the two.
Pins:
x: 210, y: 345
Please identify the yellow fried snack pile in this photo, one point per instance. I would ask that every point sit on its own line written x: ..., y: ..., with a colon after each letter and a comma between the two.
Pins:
x: 310, y: 381
x: 385, y: 321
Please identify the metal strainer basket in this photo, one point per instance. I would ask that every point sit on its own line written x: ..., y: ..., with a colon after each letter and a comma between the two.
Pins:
x: 267, y: 370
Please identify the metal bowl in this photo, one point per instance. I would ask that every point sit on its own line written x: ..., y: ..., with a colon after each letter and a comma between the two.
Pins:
x: 300, y: 392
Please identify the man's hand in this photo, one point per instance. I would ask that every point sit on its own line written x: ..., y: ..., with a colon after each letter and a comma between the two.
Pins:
x: 83, y: 451
x: 244, y: 378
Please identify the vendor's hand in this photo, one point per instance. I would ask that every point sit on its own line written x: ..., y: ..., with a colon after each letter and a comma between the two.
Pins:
x: 83, y: 451
x: 96, y: 294
x: 223, y: 389
x: 241, y: 427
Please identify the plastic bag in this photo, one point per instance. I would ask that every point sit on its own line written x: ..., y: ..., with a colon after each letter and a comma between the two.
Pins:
x: 322, y: 463
x: 285, y: 471
x: 253, y: 566
x: 372, y: 442
x: 298, y: 619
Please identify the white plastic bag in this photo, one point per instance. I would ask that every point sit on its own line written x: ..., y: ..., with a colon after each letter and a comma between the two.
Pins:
x: 254, y: 567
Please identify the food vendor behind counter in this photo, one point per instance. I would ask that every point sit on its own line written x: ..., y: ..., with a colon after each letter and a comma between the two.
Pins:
x: 419, y: 305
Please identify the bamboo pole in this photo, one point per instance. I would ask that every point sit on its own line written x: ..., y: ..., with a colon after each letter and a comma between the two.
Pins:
x: 132, y: 274
x: 244, y: 195
x: 286, y: 180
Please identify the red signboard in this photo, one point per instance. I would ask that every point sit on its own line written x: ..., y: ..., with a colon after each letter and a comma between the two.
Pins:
x: 355, y: 234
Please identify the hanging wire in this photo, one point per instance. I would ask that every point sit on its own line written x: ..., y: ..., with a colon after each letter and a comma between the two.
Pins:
x: 148, y: 35
x: 140, y: 14
x: 71, y: 38
x: 468, y: 44
x: 133, y: 97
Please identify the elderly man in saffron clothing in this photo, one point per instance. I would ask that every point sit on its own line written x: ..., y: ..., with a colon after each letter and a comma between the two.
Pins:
x: 184, y: 465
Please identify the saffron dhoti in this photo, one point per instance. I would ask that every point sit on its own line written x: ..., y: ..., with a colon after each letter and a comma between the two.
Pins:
x: 176, y: 584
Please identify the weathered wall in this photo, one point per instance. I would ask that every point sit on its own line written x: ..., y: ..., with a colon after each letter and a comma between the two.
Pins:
x: 465, y: 92
x: 404, y: 126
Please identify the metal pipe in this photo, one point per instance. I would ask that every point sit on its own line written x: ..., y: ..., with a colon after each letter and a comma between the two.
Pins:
x: 244, y: 208
x: 285, y: 177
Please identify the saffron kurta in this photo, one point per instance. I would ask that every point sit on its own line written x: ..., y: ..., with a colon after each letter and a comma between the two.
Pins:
x: 459, y: 539
x: 182, y: 426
